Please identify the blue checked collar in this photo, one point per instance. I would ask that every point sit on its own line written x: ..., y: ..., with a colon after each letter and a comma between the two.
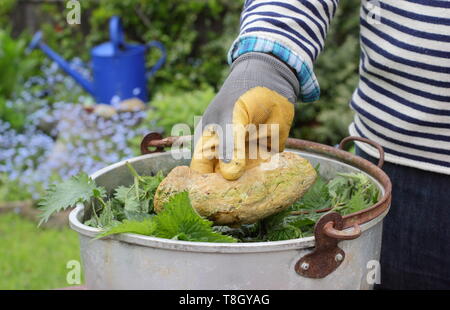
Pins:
x: 309, y: 86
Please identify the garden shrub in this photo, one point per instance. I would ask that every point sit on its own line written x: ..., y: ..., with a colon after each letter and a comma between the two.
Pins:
x: 15, y: 66
x: 169, y: 108
x: 197, y: 35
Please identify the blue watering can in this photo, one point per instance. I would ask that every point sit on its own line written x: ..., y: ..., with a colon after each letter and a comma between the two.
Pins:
x: 118, y: 68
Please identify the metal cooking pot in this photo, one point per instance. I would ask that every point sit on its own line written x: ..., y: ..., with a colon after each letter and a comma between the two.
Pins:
x: 130, y: 261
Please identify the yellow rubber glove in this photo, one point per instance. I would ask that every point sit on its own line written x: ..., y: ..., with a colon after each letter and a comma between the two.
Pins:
x: 248, y: 119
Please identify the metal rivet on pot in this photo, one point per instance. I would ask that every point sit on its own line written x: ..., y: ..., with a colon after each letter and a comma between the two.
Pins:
x: 339, y: 257
x: 305, y: 266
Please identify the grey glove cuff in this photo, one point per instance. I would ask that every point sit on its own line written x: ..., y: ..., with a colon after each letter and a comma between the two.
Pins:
x: 247, y: 71
x: 258, y: 69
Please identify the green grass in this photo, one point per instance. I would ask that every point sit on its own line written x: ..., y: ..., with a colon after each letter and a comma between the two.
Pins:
x: 34, y: 258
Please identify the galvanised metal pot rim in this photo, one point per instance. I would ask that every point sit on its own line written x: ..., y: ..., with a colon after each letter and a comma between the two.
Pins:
x: 208, y: 247
x: 154, y: 139
x: 364, y: 165
x: 365, y: 219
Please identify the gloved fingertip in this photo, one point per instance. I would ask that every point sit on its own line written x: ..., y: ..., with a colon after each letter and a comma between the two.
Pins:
x: 233, y: 170
x: 201, y: 167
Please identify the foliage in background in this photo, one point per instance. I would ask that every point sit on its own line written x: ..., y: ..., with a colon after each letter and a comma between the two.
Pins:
x: 33, y: 258
x: 60, y: 138
x: 10, y: 115
x: 174, y: 107
x: 197, y: 35
x: 6, y: 6
x: 11, y: 190
x: 15, y: 68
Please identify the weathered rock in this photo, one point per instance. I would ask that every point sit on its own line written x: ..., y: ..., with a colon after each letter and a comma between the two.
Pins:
x: 132, y: 105
x: 261, y: 191
x: 104, y: 110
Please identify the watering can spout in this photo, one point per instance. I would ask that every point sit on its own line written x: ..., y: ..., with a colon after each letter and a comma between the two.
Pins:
x: 36, y: 42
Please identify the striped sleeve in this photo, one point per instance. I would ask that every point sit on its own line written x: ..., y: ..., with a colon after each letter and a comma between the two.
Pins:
x: 293, y: 31
x: 402, y: 100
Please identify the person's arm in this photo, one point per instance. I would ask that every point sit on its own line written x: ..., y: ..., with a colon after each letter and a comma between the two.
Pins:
x: 272, y: 66
x: 294, y: 31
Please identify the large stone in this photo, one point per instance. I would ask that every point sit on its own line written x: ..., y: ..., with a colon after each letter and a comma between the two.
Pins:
x: 261, y: 191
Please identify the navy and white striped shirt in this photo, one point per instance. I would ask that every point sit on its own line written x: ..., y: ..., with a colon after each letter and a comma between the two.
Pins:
x: 403, y: 97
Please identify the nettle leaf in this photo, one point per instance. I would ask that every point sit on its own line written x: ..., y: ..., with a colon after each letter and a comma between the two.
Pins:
x: 137, y: 216
x: 179, y: 220
x: 339, y: 189
x: 352, y: 192
x: 285, y: 232
x: 117, y: 209
x: 79, y: 188
x: 93, y: 222
x: 346, y: 193
x: 146, y: 227
x: 355, y: 204
x: 150, y: 183
x: 245, y: 232
x: 132, y: 205
x: 138, y: 198
x: 306, y: 222
x: 121, y: 193
x: 98, y: 192
x: 317, y: 197
x: 107, y: 218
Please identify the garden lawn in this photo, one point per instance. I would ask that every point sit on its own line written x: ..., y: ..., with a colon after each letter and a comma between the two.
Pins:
x: 34, y: 258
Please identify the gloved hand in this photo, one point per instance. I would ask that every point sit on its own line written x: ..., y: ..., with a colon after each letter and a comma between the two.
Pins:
x: 260, y: 89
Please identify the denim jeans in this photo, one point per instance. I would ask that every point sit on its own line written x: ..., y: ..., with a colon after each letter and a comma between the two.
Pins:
x: 415, y: 251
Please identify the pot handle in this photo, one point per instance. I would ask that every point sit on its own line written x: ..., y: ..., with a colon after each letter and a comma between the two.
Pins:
x: 365, y: 140
x: 332, y: 232
x: 327, y: 256
x: 157, y: 143
x: 160, y: 61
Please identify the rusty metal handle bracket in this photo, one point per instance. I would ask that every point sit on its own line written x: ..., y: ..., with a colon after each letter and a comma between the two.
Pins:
x: 364, y: 140
x: 155, y: 140
x: 327, y: 256
x: 331, y: 232
x: 149, y: 140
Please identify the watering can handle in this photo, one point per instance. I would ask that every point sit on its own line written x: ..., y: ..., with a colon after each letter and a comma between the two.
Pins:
x: 116, y: 33
x: 160, y: 61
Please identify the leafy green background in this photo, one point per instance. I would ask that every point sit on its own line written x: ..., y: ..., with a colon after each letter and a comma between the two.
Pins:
x: 197, y: 35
